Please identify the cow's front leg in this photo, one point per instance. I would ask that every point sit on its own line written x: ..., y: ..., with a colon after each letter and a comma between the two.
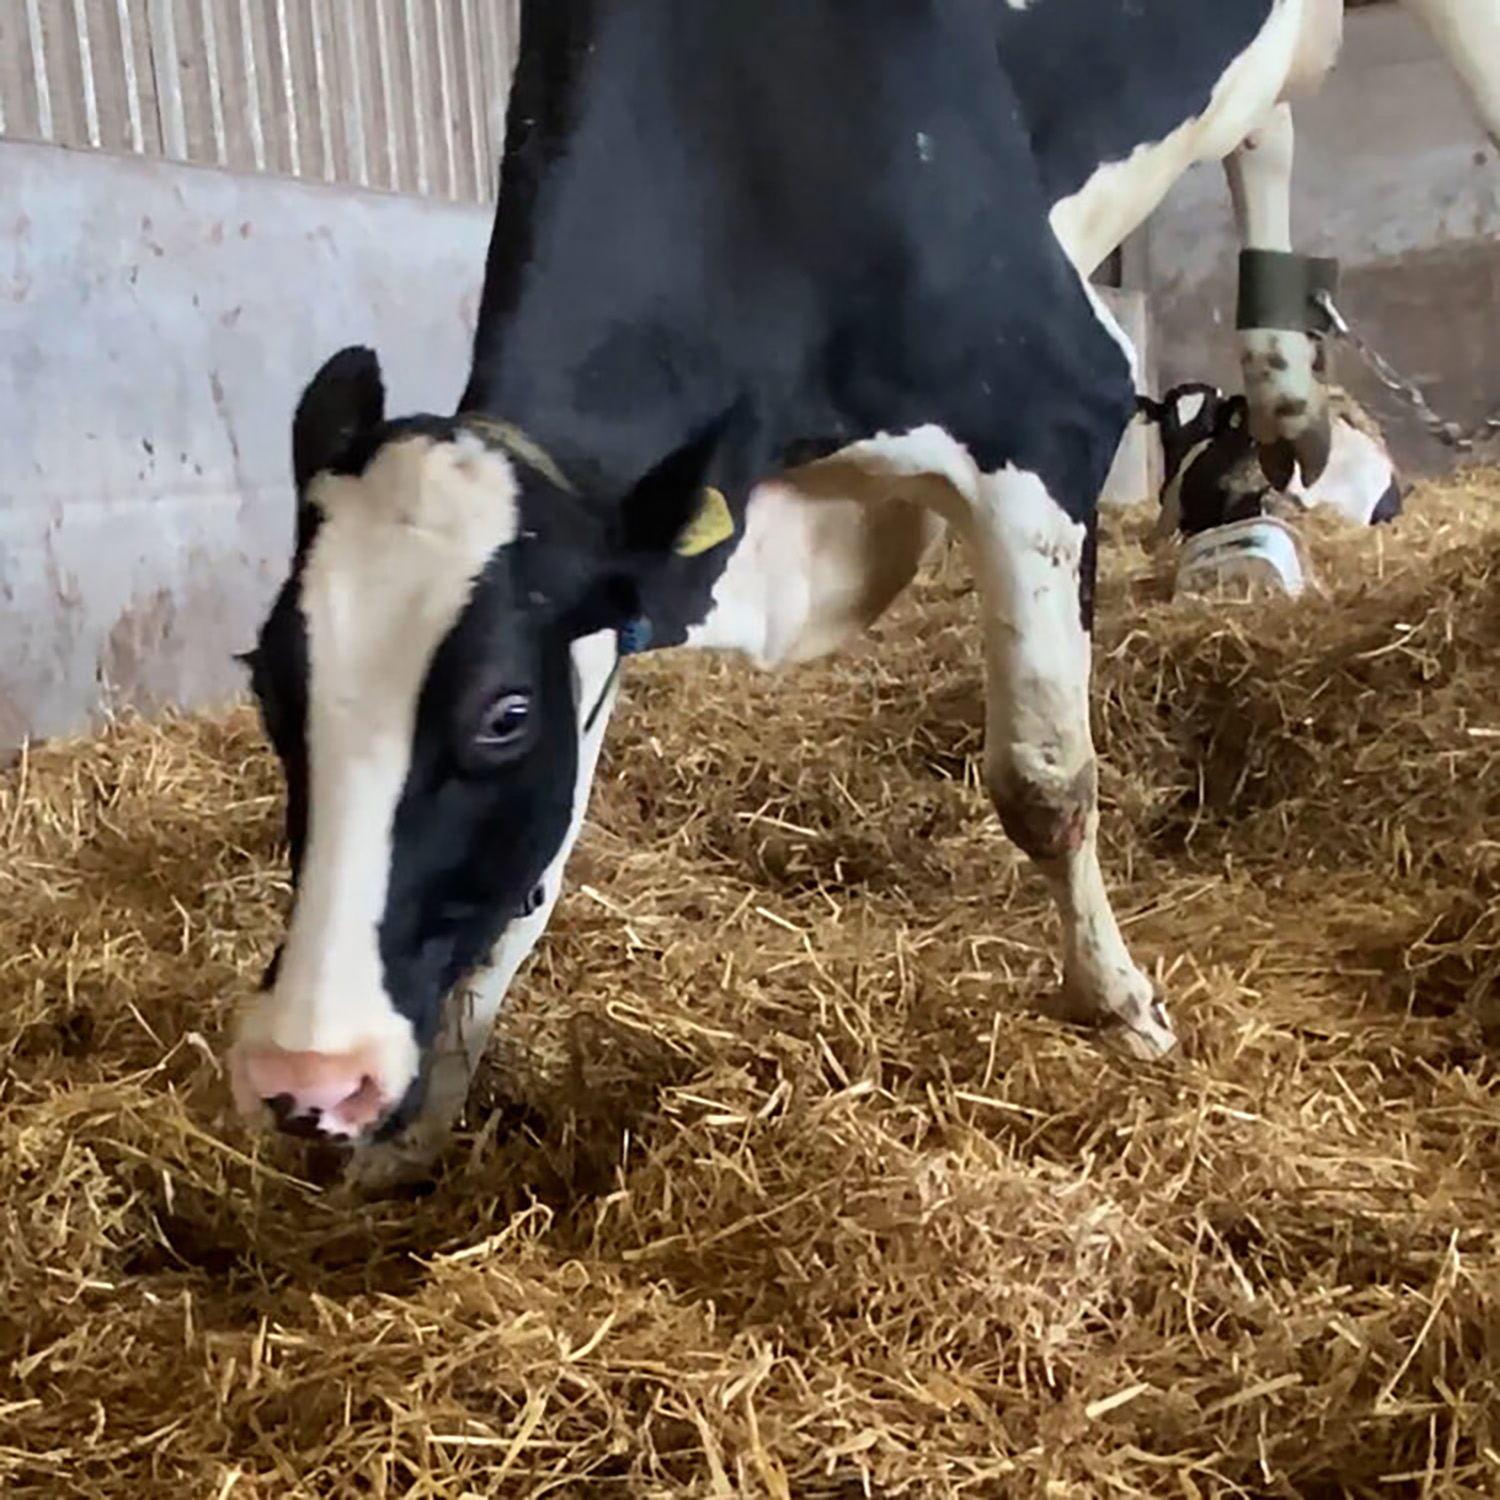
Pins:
x: 1029, y: 559
x: 1280, y: 356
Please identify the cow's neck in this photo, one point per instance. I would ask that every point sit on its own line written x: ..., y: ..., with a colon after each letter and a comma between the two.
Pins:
x: 586, y: 338
x: 645, y: 272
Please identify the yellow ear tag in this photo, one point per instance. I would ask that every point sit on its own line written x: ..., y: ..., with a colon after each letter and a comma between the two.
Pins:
x: 711, y: 525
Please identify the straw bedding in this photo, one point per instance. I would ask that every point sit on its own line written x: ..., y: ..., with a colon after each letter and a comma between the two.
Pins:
x: 776, y: 1182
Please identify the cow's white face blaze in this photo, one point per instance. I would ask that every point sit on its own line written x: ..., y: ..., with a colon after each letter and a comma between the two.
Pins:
x: 1189, y: 405
x: 415, y: 677
x: 392, y: 566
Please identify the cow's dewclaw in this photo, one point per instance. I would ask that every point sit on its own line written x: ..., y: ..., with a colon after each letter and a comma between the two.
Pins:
x: 411, y: 1160
x: 1130, y: 1013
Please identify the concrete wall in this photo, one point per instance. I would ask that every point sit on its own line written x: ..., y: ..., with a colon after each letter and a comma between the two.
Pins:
x: 157, y: 325
x: 1395, y: 178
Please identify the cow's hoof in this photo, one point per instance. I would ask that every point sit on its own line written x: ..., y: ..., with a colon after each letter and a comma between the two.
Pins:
x: 1304, y: 456
x: 1287, y: 397
x: 407, y: 1164
x: 1134, y: 1019
x: 1145, y: 1037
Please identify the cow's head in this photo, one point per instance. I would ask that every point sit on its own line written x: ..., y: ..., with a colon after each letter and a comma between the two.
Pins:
x: 415, y: 677
x: 1186, y: 416
x: 1211, y: 473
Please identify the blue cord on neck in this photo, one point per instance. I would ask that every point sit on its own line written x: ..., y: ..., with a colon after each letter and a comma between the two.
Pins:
x: 635, y: 636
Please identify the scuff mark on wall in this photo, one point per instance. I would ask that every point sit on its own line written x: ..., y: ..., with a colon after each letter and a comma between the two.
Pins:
x: 135, y: 646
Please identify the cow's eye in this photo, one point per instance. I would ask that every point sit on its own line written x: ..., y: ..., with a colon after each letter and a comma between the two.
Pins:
x: 503, y: 724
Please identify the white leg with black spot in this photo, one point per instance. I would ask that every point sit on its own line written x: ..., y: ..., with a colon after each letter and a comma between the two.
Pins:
x: 1283, y: 385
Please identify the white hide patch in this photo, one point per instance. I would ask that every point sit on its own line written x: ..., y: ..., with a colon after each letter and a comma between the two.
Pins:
x: 1189, y: 405
x: 1359, y: 473
x: 828, y: 546
x: 924, y: 454
x: 389, y: 573
x: 815, y: 568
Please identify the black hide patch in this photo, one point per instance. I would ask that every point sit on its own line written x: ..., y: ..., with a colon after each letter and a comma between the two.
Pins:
x: 472, y: 839
x: 1095, y: 79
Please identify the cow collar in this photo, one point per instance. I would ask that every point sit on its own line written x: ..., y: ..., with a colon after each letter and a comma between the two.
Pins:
x: 511, y: 440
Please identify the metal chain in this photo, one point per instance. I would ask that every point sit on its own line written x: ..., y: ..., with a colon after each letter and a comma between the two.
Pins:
x: 1449, y: 433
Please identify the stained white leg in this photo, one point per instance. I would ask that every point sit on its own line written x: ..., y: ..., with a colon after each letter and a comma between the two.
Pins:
x: 1039, y: 752
x: 1283, y: 379
x: 472, y: 1011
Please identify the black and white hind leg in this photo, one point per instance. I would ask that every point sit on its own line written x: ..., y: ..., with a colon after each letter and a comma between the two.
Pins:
x: 1040, y: 766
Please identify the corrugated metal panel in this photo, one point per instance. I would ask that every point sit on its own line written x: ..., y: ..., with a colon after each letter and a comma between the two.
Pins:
x: 406, y: 95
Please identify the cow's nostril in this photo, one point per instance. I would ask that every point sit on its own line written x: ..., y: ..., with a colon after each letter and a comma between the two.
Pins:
x: 319, y: 1094
x: 359, y: 1110
x: 364, y: 1102
x: 283, y: 1109
x: 291, y: 1119
x: 308, y: 1127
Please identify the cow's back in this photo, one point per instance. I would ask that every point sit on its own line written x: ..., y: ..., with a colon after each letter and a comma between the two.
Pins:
x: 1095, y: 79
x: 839, y: 208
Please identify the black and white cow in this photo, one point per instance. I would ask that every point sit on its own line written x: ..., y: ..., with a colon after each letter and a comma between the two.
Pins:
x: 777, y: 289
x: 1212, y: 473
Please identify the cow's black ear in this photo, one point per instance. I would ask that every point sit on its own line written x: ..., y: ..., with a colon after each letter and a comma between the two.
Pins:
x: 659, y: 510
x: 1151, y: 410
x: 662, y: 517
x: 1233, y: 415
x: 343, y: 401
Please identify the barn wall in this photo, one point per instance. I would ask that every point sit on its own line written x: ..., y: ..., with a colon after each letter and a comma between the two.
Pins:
x: 1396, y: 178
x: 158, y: 323
x: 405, y: 95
